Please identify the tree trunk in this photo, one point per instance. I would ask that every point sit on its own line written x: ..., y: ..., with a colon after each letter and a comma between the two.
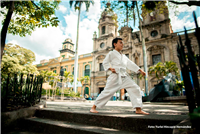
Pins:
x: 76, y: 51
x: 144, y: 52
x: 5, y: 27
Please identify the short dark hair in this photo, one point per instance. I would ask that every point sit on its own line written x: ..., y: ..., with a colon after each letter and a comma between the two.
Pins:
x: 115, y: 40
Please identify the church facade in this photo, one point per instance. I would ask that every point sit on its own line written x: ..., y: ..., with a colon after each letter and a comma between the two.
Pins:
x: 160, y: 44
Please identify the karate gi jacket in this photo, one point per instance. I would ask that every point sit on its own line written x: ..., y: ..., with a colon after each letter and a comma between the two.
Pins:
x: 119, y: 62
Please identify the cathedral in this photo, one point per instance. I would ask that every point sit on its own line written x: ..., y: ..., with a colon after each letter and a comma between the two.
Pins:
x: 160, y: 44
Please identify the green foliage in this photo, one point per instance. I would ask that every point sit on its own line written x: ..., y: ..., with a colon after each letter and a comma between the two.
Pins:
x: 158, y: 6
x: 29, y: 14
x: 18, y: 91
x: 68, y: 76
x: 43, y: 91
x: 17, y: 59
x: 179, y: 85
x: 85, y: 79
x: 162, y: 69
x: 78, y: 94
x: 48, y: 76
x: 77, y: 4
x: 67, y: 92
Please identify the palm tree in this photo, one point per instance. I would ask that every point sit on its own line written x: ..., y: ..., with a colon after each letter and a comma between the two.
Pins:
x: 44, y: 75
x: 67, y: 75
x: 85, y: 78
x: 158, y: 70
x: 77, y: 5
x: 162, y: 69
x: 171, y: 67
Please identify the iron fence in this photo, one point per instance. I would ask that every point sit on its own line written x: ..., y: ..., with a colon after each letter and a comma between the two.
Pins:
x: 189, y: 62
x: 19, y: 90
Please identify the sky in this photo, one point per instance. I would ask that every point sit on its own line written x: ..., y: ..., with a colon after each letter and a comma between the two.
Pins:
x: 46, y: 42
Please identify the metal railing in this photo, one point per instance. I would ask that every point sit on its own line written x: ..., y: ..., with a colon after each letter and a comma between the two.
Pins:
x: 189, y: 62
x: 19, y: 91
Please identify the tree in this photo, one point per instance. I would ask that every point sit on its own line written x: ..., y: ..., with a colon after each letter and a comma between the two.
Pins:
x: 162, y: 69
x: 49, y: 76
x: 27, y: 16
x: 158, y: 70
x: 171, y: 67
x: 68, y: 76
x: 77, y: 5
x: 17, y: 59
x: 85, y: 78
x: 158, y: 6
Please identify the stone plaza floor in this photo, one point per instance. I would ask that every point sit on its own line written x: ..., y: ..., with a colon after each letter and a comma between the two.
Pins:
x: 121, y: 107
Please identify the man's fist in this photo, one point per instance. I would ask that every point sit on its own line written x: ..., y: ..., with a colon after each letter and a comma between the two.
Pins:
x: 142, y: 72
x: 112, y: 69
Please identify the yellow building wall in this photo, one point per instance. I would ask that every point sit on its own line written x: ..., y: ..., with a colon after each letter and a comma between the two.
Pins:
x: 82, y: 62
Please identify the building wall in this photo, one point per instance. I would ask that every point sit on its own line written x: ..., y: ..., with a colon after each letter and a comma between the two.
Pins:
x: 164, y: 43
x: 68, y: 64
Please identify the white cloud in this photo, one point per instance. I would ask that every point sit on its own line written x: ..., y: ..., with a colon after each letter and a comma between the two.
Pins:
x: 198, y: 21
x: 62, y: 8
x: 44, y: 42
x: 86, y: 27
x: 179, y: 8
x: 94, y: 11
x: 39, y: 57
x: 178, y: 24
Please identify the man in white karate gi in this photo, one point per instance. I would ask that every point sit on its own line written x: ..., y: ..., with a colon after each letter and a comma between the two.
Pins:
x: 119, y: 78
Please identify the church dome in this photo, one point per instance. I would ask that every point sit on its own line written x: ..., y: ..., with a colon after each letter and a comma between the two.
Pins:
x: 68, y: 39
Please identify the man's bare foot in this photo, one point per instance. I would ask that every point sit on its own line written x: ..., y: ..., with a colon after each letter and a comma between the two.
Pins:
x: 93, y: 111
x: 141, y: 112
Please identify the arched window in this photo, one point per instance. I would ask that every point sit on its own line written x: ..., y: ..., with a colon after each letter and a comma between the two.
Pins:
x: 103, y: 29
x: 101, y: 67
x: 136, y: 61
x: 64, y: 46
x: 102, y: 45
x: 104, y: 18
x: 156, y: 59
x: 86, y: 91
x: 87, y: 70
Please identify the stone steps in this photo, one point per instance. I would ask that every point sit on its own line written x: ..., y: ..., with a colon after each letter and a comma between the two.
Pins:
x: 50, y: 126
x: 111, y: 122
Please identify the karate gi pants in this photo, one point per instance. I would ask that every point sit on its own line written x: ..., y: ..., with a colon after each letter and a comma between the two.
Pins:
x: 113, y: 85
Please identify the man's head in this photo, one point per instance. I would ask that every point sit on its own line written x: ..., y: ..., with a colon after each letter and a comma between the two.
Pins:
x: 117, y: 44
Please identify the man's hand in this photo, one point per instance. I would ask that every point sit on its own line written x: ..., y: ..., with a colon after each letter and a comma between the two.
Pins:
x: 142, y: 72
x: 112, y: 69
